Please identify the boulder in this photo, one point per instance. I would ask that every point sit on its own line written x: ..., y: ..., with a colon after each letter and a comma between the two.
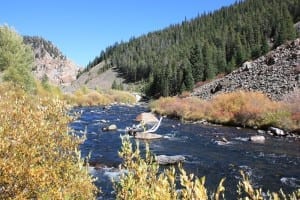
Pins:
x: 261, y: 131
x: 147, y: 136
x: 147, y: 118
x: 169, y: 160
x: 257, y: 139
x: 277, y: 131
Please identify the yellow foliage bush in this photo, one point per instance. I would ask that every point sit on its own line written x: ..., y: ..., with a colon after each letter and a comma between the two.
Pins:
x: 38, y: 157
x: 48, y: 90
x: 121, y: 96
x: 143, y: 180
x: 88, y: 97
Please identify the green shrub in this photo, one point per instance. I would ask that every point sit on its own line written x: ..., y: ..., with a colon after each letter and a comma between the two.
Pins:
x: 16, y: 59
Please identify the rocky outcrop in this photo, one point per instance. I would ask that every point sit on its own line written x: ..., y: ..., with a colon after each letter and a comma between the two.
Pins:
x: 275, y: 74
x: 50, y: 63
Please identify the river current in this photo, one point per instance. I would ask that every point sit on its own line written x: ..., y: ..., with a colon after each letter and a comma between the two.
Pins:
x: 271, y: 165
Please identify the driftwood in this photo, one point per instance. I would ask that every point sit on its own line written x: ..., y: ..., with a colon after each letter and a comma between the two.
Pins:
x: 169, y: 160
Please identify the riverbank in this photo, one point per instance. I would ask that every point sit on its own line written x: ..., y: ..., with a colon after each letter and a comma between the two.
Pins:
x: 269, y: 164
x: 240, y: 108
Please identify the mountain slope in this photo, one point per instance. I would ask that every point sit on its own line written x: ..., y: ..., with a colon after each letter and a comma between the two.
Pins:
x: 275, y: 74
x: 50, y: 63
x: 99, y: 77
x: 171, y: 60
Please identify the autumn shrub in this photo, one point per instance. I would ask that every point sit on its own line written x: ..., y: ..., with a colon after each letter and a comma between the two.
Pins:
x: 142, y: 179
x: 38, y: 154
x: 239, y: 108
x: 88, y: 97
x: 292, y: 102
x: 46, y: 89
x: 243, y: 108
x: 121, y: 96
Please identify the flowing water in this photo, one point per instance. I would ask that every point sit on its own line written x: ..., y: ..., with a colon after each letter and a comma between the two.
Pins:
x: 272, y: 165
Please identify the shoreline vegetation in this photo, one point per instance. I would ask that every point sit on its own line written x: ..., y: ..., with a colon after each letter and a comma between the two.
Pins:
x: 39, y: 154
x: 240, y: 108
x: 144, y: 180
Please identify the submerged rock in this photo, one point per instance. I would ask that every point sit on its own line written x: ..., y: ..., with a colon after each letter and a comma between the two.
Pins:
x: 169, y: 160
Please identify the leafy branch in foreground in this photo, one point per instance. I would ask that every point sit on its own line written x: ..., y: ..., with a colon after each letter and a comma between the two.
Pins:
x: 38, y: 157
x: 144, y: 180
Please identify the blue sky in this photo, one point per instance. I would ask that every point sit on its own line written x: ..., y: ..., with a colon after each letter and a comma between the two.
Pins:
x: 82, y: 28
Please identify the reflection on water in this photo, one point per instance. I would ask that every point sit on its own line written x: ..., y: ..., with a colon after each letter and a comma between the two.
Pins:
x: 272, y: 165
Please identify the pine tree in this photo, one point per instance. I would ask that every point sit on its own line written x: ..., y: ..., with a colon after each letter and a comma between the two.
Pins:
x: 195, y: 60
x: 209, y: 70
x: 188, y: 81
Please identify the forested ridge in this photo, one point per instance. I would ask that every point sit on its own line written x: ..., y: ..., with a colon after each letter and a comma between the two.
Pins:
x: 42, y: 46
x: 172, y: 60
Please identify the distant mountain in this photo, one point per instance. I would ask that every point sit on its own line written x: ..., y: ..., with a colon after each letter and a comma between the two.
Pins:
x: 277, y: 73
x: 50, y: 63
x: 172, y: 60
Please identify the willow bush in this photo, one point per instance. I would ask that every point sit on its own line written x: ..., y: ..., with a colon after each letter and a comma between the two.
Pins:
x: 38, y: 156
x: 240, y: 108
x: 88, y: 97
x: 143, y: 180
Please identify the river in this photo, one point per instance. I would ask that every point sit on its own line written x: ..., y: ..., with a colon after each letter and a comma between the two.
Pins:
x: 272, y: 165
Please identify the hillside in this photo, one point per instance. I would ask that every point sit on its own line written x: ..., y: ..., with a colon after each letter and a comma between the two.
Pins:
x: 98, y: 77
x: 50, y: 63
x: 275, y: 74
x: 174, y: 59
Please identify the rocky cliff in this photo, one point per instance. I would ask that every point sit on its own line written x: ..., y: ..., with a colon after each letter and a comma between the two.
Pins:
x: 50, y: 63
x: 276, y: 74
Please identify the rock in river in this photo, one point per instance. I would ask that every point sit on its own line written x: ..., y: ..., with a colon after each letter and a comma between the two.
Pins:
x: 277, y: 131
x: 169, y: 160
x: 111, y: 127
x: 257, y: 139
x: 147, y: 136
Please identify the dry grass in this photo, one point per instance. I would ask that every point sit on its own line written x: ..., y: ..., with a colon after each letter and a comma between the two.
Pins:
x: 239, y: 108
